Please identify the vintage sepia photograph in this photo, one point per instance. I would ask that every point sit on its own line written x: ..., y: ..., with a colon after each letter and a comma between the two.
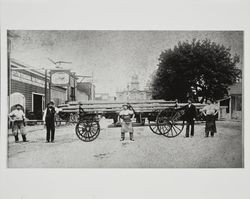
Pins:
x: 125, y: 99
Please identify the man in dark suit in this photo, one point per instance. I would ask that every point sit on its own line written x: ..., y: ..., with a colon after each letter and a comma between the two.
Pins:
x: 49, y: 121
x: 190, y: 115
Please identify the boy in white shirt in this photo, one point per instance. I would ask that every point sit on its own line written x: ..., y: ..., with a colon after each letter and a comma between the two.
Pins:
x: 17, y: 116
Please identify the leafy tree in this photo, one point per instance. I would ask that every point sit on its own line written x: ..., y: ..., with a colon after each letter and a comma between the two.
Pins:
x: 195, y: 69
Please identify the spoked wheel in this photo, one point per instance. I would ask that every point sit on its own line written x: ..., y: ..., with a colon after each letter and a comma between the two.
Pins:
x: 87, y: 130
x: 176, y: 129
x: 153, y: 127
x: 163, y: 124
x: 170, y: 123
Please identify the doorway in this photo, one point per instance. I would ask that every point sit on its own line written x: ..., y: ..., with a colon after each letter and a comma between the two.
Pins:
x: 37, y: 104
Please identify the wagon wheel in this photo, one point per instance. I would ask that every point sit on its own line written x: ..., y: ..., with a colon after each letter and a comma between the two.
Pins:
x: 87, y: 130
x: 176, y: 129
x: 162, y: 121
x: 153, y: 127
x: 170, y: 122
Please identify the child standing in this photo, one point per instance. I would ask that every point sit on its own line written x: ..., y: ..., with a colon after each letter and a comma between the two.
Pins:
x: 17, y: 116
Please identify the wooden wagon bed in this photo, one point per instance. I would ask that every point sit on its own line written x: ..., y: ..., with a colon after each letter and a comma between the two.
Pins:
x: 146, y: 106
x: 164, y: 117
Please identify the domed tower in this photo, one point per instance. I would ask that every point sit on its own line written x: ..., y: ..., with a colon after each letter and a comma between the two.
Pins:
x: 134, y: 83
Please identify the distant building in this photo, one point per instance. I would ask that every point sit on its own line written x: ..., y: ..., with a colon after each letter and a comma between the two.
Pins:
x: 104, y: 97
x: 133, y: 91
x: 235, y: 93
x: 85, y: 91
x: 58, y: 94
x: 231, y: 107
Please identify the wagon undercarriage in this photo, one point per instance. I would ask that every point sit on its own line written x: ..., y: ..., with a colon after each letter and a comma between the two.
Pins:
x: 163, y: 117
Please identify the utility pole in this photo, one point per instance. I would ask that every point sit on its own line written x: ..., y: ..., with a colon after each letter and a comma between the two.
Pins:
x: 75, y: 85
x: 50, y: 86
x: 92, y: 86
x: 10, y: 36
x: 9, y: 65
x: 45, y: 89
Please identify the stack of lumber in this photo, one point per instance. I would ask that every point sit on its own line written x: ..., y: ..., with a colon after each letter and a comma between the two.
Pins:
x: 145, y: 106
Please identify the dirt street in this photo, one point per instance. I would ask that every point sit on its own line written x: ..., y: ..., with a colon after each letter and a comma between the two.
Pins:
x: 225, y: 150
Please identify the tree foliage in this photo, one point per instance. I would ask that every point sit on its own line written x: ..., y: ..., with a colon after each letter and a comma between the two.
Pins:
x: 195, y: 69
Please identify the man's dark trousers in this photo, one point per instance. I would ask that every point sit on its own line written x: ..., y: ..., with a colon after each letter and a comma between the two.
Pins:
x: 190, y: 114
x: 190, y: 123
x: 50, y: 126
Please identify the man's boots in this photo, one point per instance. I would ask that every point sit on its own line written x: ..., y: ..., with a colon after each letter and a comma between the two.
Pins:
x: 122, y: 136
x: 24, y: 138
x: 16, y: 138
x: 131, y: 136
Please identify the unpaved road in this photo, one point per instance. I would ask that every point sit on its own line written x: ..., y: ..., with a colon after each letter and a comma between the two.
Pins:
x: 225, y: 150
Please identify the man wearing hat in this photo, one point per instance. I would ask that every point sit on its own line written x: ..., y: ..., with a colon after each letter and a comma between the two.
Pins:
x: 18, y: 118
x: 125, y: 118
x: 49, y: 121
x: 190, y: 115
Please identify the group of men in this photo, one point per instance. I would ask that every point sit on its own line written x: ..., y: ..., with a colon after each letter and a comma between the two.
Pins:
x: 190, y: 113
x: 17, y: 117
x: 209, y: 111
x: 125, y: 117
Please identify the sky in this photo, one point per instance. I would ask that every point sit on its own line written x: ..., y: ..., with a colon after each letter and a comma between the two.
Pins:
x: 112, y: 56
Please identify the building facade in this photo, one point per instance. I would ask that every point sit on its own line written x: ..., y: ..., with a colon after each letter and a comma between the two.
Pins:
x: 133, y: 91
x: 27, y: 87
x: 235, y: 107
x: 85, y: 91
x: 104, y: 97
x: 231, y: 107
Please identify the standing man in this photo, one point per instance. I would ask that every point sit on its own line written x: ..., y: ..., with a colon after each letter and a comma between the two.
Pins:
x: 49, y: 121
x: 210, y: 111
x: 17, y: 116
x: 125, y: 118
x: 190, y: 115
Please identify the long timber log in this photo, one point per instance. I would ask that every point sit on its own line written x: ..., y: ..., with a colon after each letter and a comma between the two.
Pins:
x: 120, y: 102
x: 115, y: 107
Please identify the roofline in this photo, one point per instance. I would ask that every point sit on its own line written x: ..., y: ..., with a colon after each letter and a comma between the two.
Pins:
x: 23, y: 65
x: 223, y: 99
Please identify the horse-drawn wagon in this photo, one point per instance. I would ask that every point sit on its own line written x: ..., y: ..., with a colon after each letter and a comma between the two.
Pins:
x: 163, y: 117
